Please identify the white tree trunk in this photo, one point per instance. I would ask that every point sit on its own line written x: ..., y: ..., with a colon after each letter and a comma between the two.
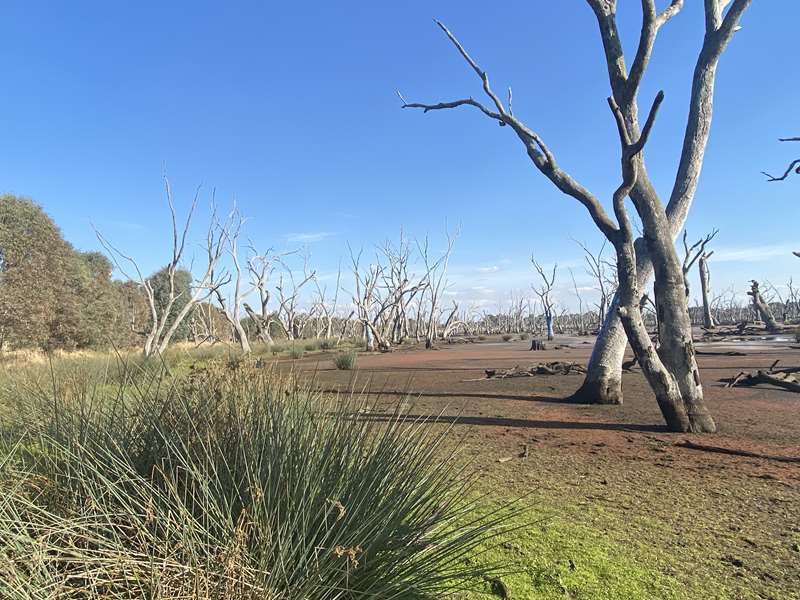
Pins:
x: 705, y: 290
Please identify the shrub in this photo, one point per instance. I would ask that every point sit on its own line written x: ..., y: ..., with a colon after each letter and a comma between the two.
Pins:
x: 345, y: 361
x: 327, y: 344
x: 310, y: 346
x: 482, y: 338
x: 295, y: 352
x: 524, y: 336
x: 507, y: 337
x: 229, y: 485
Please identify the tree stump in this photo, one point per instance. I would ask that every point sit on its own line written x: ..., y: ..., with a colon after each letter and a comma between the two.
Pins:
x: 538, y: 345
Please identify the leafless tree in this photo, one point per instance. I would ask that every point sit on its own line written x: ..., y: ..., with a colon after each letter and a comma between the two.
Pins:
x: 692, y: 253
x: 163, y: 324
x: 705, y: 289
x: 579, y: 298
x: 231, y: 308
x: 436, y: 280
x: 794, y: 166
x: 545, y: 294
x: 672, y: 371
x: 603, y: 380
x: 289, y: 287
x: 603, y: 272
x: 324, y: 308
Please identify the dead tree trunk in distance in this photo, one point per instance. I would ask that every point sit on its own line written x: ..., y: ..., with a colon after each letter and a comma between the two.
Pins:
x: 762, y: 308
x: 705, y: 290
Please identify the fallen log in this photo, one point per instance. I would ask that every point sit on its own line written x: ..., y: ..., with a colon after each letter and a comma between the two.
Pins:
x: 783, y: 378
x: 556, y: 367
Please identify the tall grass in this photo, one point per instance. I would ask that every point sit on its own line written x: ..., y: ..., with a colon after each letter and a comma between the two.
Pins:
x: 229, y: 484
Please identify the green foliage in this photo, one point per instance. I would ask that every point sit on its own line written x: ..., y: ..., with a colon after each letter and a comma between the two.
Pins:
x: 50, y: 295
x: 230, y: 485
x: 295, y: 352
x: 345, y: 361
x: 327, y: 344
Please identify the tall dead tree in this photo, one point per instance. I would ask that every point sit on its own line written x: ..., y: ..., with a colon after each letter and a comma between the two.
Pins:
x: 231, y: 308
x: 705, y: 289
x: 672, y: 370
x: 603, y: 379
x: 545, y: 293
x: 762, y: 308
x: 163, y: 324
x: 692, y: 253
x: 436, y: 281
x: 289, y: 287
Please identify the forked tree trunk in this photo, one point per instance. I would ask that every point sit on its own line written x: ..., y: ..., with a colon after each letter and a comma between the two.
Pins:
x: 602, y: 384
x: 705, y: 290
x: 672, y: 370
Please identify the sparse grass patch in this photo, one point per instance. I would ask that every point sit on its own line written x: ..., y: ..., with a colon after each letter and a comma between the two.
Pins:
x: 507, y: 337
x: 295, y: 352
x: 345, y: 361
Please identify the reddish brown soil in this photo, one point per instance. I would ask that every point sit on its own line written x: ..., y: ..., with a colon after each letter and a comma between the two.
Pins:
x: 742, y: 514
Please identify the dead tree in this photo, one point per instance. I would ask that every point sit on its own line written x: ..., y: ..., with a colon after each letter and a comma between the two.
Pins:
x: 400, y: 287
x: 579, y: 322
x: 603, y: 379
x: 545, y: 292
x: 672, y: 371
x: 436, y: 281
x: 365, y: 297
x: 604, y: 275
x: 794, y: 166
x: 288, y: 314
x: 705, y: 289
x: 231, y: 310
x: 163, y: 324
x: 762, y: 308
x: 260, y: 268
x: 326, y: 310
x: 692, y: 253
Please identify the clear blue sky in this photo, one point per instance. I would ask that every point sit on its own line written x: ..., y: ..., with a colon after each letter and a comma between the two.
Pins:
x: 291, y: 109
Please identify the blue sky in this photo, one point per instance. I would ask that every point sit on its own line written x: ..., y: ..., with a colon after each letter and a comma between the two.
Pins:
x: 290, y: 108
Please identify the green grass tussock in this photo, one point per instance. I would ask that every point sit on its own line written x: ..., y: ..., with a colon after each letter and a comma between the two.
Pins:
x: 227, y: 483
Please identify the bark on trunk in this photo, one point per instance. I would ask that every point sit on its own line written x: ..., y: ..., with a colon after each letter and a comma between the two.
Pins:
x: 672, y: 370
x: 605, y: 367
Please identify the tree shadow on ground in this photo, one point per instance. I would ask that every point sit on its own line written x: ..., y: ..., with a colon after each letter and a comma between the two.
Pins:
x: 510, y: 422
